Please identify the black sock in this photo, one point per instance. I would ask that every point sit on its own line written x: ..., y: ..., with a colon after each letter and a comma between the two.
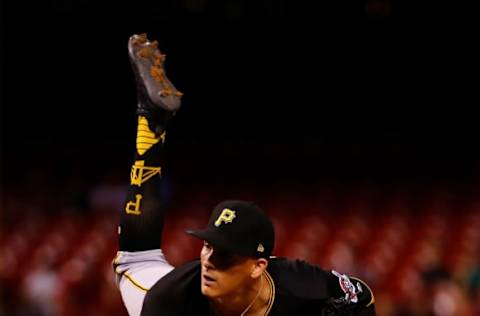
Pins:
x: 141, y: 219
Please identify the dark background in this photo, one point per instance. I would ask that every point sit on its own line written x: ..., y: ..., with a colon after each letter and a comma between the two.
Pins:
x: 353, y: 121
x: 380, y: 91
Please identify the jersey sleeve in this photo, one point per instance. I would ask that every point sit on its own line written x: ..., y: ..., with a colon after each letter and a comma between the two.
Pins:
x: 336, y: 293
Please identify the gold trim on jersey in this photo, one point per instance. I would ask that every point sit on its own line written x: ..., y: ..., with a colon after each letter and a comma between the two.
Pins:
x: 140, y: 174
x: 272, y: 292
x: 134, y: 282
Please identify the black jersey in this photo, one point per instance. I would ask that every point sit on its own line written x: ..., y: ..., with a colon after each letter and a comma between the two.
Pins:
x: 297, y: 288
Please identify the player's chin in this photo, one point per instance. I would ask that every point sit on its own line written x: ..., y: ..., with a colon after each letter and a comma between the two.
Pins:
x: 210, y: 290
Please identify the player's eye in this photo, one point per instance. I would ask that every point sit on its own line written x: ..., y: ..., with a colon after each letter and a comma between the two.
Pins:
x: 223, y: 259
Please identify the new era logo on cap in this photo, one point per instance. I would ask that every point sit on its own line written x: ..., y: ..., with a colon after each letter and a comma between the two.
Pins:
x: 260, y: 248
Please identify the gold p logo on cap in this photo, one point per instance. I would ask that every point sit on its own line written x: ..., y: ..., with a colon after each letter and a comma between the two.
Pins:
x: 227, y: 216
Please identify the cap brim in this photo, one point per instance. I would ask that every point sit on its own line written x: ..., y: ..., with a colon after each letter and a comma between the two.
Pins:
x: 214, y: 239
x: 201, y: 234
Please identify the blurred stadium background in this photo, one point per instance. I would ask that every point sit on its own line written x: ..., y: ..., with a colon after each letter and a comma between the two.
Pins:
x: 345, y: 120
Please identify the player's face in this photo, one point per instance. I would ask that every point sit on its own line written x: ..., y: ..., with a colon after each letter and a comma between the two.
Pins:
x: 222, y: 272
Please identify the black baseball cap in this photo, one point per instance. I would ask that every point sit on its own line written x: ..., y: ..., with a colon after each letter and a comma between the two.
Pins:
x: 239, y: 227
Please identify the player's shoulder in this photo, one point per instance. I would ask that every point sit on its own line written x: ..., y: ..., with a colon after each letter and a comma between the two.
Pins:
x: 296, y: 277
x: 293, y: 267
x: 285, y: 263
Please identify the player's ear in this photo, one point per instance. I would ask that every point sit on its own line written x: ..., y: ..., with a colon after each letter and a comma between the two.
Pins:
x: 260, y: 266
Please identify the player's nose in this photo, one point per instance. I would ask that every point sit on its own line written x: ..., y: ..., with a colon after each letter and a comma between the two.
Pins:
x: 207, y: 264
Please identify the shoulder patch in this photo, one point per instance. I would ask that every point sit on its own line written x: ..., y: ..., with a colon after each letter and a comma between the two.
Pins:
x: 351, y: 291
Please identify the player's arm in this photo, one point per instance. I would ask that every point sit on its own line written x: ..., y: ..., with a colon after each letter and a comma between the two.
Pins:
x: 140, y: 263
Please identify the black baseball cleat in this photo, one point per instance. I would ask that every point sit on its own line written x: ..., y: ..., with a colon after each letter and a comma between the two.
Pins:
x: 158, y: 99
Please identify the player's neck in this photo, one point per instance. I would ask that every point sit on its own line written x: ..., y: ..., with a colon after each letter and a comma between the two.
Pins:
x: 236, y: 303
